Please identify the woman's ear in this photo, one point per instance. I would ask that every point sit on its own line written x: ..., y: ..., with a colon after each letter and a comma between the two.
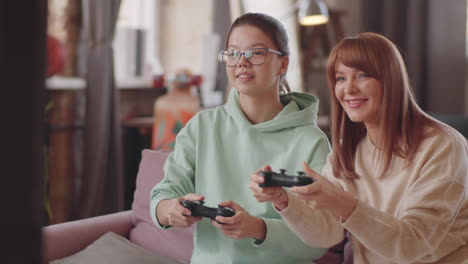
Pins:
x: 284, y: 65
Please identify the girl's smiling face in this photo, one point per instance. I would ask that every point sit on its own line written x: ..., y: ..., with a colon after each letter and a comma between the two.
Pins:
x: 251, y: 79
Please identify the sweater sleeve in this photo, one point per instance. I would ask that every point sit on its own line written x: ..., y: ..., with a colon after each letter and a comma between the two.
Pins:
x: 314, y: 227
x: 419, y: 231
x: 281, y: 233
x: 179, y: 172
x: 281, y: 238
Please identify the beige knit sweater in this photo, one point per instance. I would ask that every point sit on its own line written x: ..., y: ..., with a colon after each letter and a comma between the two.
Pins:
x: 413, y: 215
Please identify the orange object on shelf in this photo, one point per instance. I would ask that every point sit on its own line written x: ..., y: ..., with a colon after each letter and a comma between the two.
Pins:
x: 165, y: 130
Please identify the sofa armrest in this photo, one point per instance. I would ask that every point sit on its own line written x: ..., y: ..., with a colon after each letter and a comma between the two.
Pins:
x: 61, y: 240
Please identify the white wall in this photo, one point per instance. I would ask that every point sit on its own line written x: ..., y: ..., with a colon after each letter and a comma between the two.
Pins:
x: 184, y: 23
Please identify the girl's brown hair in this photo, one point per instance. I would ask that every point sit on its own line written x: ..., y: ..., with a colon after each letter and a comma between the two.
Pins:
x: 273, y: 29
x: 401, y: 121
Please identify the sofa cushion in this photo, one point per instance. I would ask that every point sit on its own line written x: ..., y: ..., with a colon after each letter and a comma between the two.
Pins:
x: 177, y: 242
x: 114, y: 249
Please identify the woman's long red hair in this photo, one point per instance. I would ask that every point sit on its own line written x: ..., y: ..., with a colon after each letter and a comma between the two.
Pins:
x: 401, y: 121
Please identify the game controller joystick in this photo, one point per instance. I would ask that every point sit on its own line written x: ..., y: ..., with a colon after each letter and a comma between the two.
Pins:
x: 282, y: 179
x: 198, y: 209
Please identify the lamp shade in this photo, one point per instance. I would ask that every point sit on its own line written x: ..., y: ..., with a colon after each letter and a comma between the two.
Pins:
x: 312, y: 12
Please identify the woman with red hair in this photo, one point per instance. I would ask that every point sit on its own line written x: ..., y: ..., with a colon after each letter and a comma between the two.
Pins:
x: 396, y: 180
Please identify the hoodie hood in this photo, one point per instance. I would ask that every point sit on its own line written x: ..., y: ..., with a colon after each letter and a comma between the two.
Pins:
x: 300, y: 109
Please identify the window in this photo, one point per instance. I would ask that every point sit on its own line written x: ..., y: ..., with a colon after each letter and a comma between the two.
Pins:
x: 135, y: 43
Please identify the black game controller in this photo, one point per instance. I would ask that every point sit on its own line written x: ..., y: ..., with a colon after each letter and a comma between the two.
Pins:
x: 281, y: 179
x: 198, y: 209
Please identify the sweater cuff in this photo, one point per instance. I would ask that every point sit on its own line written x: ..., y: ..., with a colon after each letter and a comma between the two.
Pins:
x: 153, y: 205
x: 273, y: 232
x: 294, y: 209
x: 280, y: 238
x: 359, y: 220
x: 316, y: 228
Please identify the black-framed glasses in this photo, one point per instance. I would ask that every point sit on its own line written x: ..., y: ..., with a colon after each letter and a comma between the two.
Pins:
x: 255, y: 56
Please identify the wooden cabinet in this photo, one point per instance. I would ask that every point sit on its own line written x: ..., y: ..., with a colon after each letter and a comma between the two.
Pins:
x: 63, y: 146
x: 63, y: 129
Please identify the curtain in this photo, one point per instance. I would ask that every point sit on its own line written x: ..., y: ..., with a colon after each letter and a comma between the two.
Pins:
x: 102, y: 186
x: 405, y: 23
x: 432, y: 37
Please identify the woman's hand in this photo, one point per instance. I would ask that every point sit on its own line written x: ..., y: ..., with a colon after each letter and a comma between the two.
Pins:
x: 274, y: 194
x: 172, y: 213
x: 241, y: 225
x: 326, y: 196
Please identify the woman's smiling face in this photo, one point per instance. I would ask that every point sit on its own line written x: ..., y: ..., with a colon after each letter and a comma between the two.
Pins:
x: 359, y: 94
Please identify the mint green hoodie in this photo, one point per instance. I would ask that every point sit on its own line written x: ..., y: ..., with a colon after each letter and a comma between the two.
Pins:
x: 214, y: 156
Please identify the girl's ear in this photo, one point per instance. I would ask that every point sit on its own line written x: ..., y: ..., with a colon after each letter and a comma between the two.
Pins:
x: 284, y: 65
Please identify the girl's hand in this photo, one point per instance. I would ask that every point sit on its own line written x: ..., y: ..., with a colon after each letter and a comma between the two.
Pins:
x: 241, y: 225
x: 326, y: 196
x: 172, y: 213
x: 274, y: 194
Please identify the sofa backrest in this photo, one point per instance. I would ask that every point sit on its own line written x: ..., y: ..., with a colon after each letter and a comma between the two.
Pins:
x: 175, y: 242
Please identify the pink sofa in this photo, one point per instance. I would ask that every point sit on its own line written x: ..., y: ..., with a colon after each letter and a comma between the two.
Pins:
x: 65, y: 239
